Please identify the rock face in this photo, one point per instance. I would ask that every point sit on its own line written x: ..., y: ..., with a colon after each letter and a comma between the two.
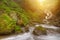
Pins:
x: 40, y: 31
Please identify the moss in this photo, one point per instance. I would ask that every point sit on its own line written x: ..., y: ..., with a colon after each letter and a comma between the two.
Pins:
x: 10, y: 5
x: 8, y: 23
x: 39, y: 31
x: 40, y: 28
x: 18, y: 29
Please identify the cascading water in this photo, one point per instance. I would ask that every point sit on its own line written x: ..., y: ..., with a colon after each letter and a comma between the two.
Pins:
x: 30, y: 36
x: 48, y: 16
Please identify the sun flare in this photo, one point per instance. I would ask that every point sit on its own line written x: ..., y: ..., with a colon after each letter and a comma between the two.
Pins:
x: 41, y: 1
x: 45, y: 4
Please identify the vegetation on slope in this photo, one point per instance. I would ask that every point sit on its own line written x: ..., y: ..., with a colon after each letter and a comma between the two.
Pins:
x: 10, y: 13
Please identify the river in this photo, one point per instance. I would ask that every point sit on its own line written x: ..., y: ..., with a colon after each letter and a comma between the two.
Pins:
x: 30, y: 36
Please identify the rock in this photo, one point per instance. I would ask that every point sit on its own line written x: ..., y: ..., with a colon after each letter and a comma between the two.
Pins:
x: 53, y: 30
x: 58, y: 30
x: 6, y: 24
x: 20, y: 22
x: 25, y: 29
x: 13, y: 15
x: 39, y: 31
x: 55, y: 21
x: 18, y: 30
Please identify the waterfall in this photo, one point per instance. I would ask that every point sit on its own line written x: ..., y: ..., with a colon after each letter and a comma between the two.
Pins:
x: 48, y: 16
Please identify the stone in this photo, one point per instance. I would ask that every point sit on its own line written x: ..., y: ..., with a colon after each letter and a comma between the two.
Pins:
x: 39, y: 31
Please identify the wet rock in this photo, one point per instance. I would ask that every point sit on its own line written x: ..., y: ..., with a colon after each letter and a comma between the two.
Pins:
x: 20, y: 30
x: 25, y: 29
x: 53, y: 31
x: 58, y: 30
x: 39, y: 31
x: 55, y: 20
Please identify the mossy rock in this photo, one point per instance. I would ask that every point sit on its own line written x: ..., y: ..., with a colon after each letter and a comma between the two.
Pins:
x: 10, y: 12
x: 25, y: 29
x: 6, y: 24
x: 39, y: 31
x: 18, y: 29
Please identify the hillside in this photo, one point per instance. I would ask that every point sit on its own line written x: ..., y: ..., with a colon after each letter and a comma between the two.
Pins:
x: 13, y: 16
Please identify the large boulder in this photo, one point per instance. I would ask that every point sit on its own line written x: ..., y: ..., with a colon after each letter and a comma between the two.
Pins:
x: 6, y: 24
x: 40, y: 31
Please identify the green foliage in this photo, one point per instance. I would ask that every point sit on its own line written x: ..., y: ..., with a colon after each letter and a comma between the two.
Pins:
x: 25, y: 19
x: 6, y: 22
x: 6, y: 18
x: 41, y: 28
x: 5, y: 8
x: 10, y: 5
x: 18, y: 29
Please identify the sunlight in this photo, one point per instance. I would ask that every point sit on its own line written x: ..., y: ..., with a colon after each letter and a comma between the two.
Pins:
x: 41, y: 1
x: 47, y: 4
x: 42, y: 4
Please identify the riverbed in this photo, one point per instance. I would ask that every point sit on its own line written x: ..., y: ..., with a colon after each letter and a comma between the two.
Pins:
x: 30, y: 36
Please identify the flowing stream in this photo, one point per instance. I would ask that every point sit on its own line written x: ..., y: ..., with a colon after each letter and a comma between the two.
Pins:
x: 30, y: 36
